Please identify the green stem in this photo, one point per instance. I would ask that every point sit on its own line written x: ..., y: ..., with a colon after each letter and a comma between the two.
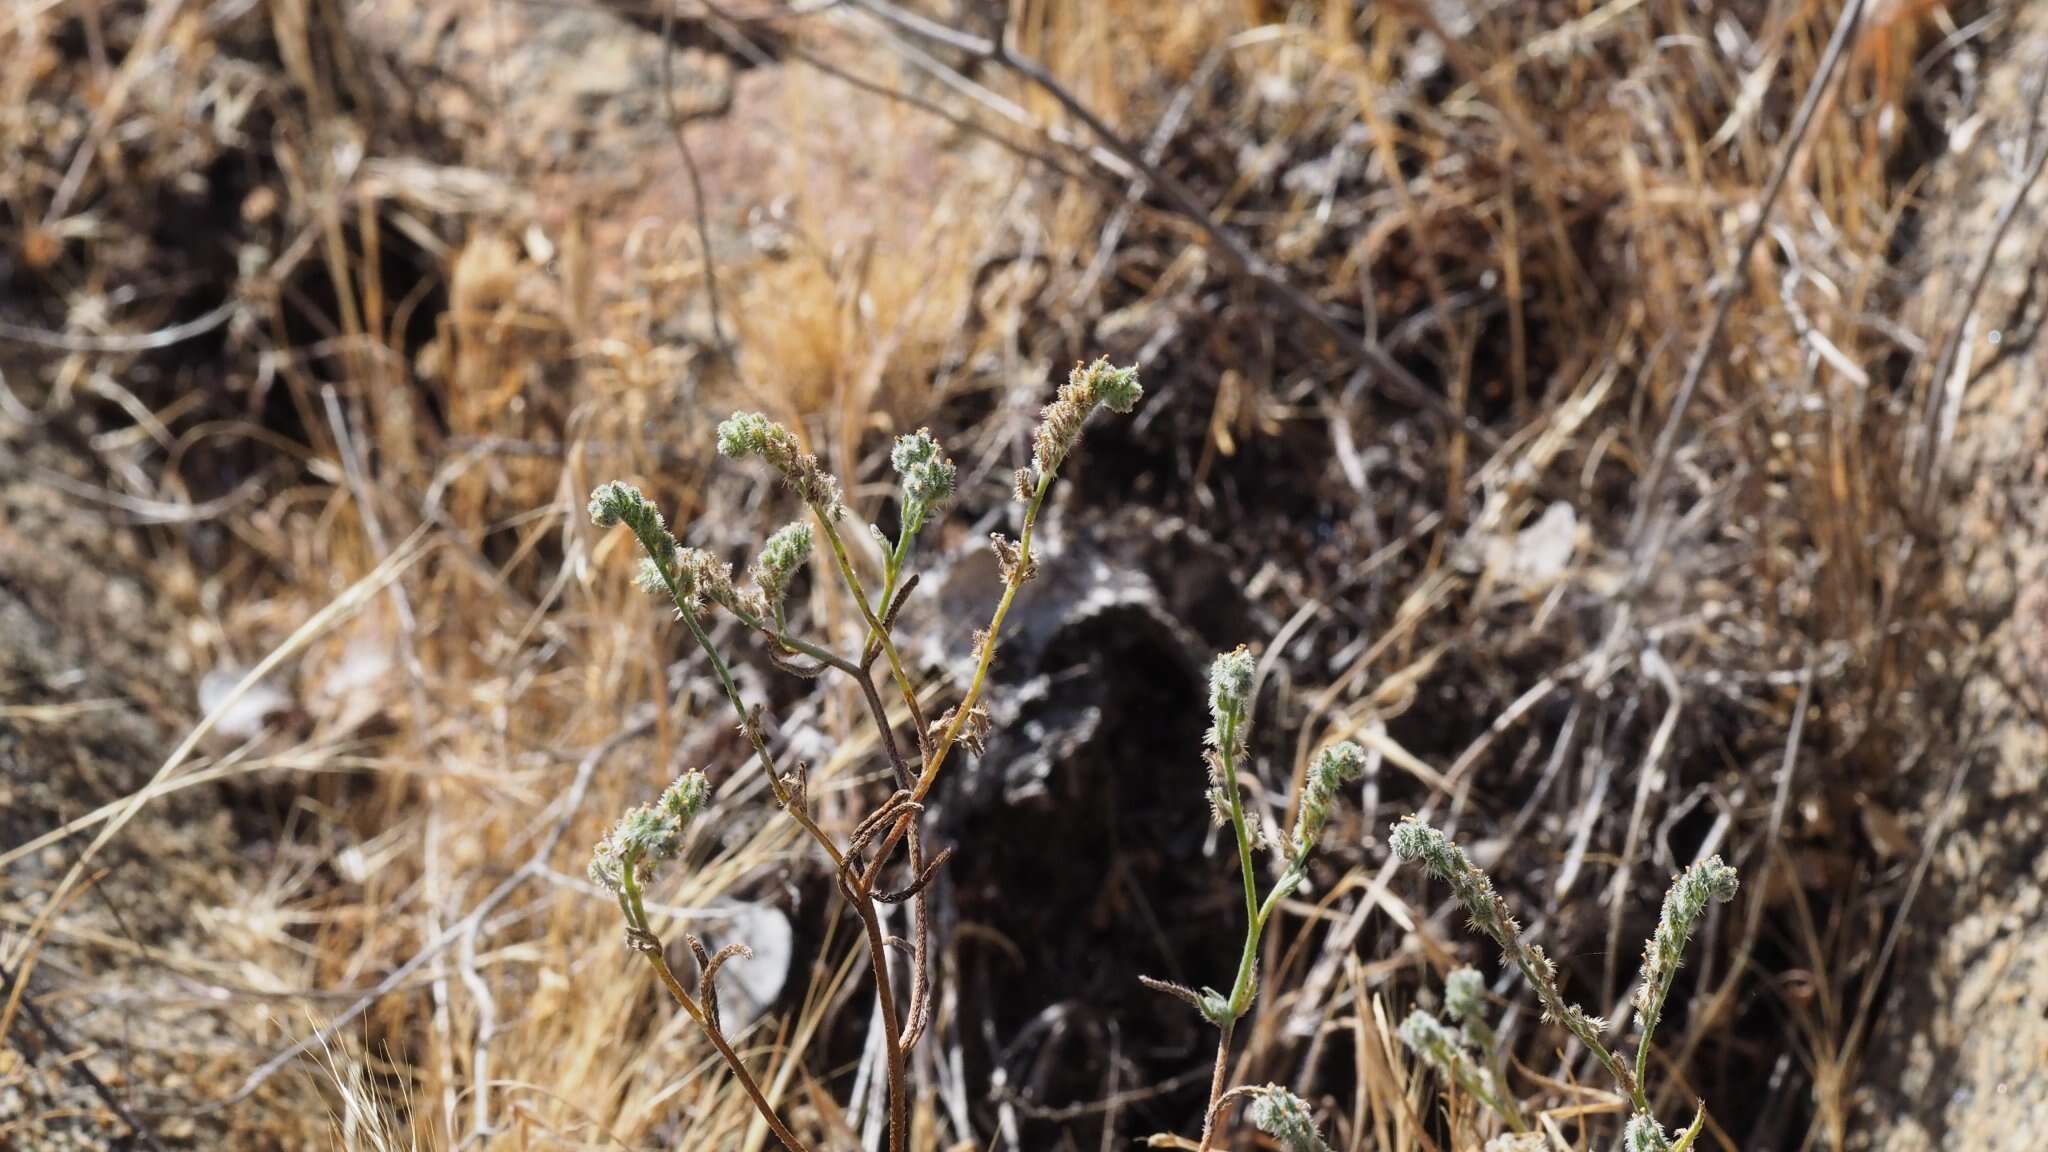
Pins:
x: 930, y: 775
x: 892, y: 570
x: 636, y: 918
x: 739, y: 706
x: 1241, y: 990
x: 1554, y: 1004
x: 867, y: 610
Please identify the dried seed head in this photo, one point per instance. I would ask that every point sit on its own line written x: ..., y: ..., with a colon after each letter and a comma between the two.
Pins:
x: 1334, y: 767
x: 1016, y: 569
x: 747, y: 434
x: 702, y: 577
x: 973, y: 732
x: 781, y: 555
x: 1059, y: 425
x: 1286, y: 1118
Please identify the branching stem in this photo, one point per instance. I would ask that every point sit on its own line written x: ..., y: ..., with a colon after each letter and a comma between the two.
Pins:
x: 649, y: 945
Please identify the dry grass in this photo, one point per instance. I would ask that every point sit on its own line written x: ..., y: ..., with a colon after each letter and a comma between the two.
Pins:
x: 1533, y: 213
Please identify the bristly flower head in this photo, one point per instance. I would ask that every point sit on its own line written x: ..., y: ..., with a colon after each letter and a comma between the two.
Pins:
x: 1465, y: 995
x: 928, y: 476
x: 1287, y: 1119
x: 1436, y: 1045
x: 648, y: 834
x: 1334, y: 767
x: 1087, y: 387
x: 685, y: 798
x: 1644, y: 1134
x: 747, y: 434
x: 615, y: 503
x: 781, y: 555
x: 1230, y: 687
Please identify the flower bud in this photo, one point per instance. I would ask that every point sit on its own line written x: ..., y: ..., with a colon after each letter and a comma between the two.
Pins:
x: 1644, y: 1134
x: 928, y: 476
x: 781, y: 555
x: 1465, y: 994
x: 615, y: 503
x: 1287, y: 1119
x: 1230, y: 683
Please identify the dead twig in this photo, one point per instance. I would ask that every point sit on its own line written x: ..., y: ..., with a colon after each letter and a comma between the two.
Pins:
x: 1737, y: 279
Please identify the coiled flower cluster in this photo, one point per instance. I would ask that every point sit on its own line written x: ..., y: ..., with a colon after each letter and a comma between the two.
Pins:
x: 648, y: 835
x: 1287, y: 1119
x: 1334, y: 767
x: 928, y: 476
x: 1088, y: 387
x: 747, y: 434
x: 782, y: 554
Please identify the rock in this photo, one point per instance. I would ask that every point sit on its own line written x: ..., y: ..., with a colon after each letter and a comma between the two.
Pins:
x: 1959, y: 1050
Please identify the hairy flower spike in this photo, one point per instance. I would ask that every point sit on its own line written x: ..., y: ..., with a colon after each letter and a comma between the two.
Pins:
x: 1287, y: 1119
x: 928, y: 476
x: 1437, y: 1045
x: 781, y: 555
x: 1433, y: 1042
x: 1116, y: 389
x: 747, y: 434
x: 615, y: 503
x: 1230, y: 687
x: 1707, y: 882
x: 648, y: 835
x: 1644, y: 1134
x: 686, y: 797
x: 1059, y: 425
x: 1334, y: 767
x: 1416, y: 842
x: 1465, y: 995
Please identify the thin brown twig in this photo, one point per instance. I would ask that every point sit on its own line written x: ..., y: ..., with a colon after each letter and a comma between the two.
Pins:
x: 678, y: 130
x: 1389, y: 374
x: 55, y: 1039
x: 536, y: 865
x: 1737, y: 279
